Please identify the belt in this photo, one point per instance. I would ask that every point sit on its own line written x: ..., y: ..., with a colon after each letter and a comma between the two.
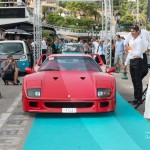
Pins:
x: 136, y: 58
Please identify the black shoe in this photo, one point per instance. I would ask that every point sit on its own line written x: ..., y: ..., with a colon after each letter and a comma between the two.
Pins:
x: 133, y: 101
x: 18, y: 81
x: 6, y: 82
x: 137, y: 102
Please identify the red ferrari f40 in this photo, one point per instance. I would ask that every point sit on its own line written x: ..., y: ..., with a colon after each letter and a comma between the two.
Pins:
x: 69, y: 83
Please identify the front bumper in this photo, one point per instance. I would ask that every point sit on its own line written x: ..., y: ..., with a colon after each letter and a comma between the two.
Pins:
x: 90, y: 106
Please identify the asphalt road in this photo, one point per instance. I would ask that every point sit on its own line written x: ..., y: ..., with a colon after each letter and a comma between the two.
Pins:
x: 15, y: 124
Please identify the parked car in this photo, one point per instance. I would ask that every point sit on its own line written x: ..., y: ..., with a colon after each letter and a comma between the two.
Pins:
x: 69, y: 83
x: 73, y: 48
x: 20, y: 51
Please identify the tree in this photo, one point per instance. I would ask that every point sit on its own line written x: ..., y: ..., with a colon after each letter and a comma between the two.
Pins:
x: 44, y: 11
x: 84, y: 9
x: 60, y: 11
x: 54, y: 18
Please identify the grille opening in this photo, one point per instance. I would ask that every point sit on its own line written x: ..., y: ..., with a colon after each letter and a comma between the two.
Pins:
x: 104, y: 104
x: 68, y: 104
x: 33, y: 104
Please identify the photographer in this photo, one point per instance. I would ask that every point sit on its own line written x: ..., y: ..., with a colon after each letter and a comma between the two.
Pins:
x: 9, y: 70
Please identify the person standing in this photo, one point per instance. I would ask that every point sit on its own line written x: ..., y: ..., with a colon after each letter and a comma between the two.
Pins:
x: 101, y: 50
x: 95, y: 45
x: 119, y: 53
x: 136, y: 47
x: 112, y: 52
x: 143, y: 34
x: 44, y: 48
x: 55, y: 49
x: 9, y: 70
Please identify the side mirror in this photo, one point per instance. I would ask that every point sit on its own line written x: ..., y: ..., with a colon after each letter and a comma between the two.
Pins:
x: 110, y: 70
x: 28, y: 70
x: 39, y: 64
x: 100, y: 64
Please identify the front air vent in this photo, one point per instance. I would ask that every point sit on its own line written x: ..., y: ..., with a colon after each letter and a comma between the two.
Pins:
x: 33, y: 104
x: 55, y: 78
x: 82, y: 78
x: 104, y: 104
x: 68, y: 104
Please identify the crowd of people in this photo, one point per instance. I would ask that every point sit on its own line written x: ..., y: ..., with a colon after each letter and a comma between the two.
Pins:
x: 130, y: 51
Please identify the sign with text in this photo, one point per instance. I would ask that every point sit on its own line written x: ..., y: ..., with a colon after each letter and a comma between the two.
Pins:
x: 12, y: 12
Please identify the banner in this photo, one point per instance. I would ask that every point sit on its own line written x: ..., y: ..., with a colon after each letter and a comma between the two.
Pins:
x: 12, y: 12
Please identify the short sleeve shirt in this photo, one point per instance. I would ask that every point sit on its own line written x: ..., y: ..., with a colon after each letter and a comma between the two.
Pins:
x: 119, y: 47
x: 10, y: 68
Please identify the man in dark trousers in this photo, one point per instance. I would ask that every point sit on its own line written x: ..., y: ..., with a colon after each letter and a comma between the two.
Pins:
x: 145, y: 36
x: 137, y: 46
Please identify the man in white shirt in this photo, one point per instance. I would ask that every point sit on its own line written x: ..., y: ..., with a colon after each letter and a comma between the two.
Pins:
x: 146, y: 37
x: 95, y: 45
x: 136, y: 49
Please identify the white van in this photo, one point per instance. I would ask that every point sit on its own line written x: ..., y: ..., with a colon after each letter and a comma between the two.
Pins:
x: 20, y: 51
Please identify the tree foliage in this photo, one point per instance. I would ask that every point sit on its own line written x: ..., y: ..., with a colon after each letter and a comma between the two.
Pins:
x: 84, y: 14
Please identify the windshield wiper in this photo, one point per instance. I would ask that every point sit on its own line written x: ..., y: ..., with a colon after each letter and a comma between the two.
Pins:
x: 16, y: 52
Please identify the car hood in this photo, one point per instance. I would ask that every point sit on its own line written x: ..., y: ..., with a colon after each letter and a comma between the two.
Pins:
x: 70, y: 85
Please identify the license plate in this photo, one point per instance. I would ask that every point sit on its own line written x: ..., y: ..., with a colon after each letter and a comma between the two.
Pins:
x: 69, y: 110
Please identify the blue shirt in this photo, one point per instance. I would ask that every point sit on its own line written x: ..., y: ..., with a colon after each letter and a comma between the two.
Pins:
x: 101, y: 49
x: 119, y: 47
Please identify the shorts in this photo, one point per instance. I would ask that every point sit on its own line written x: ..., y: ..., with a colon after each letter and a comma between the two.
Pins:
x: 119, y: 59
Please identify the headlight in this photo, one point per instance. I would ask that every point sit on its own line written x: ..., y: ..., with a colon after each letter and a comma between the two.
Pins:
x: 101, y: 92
x: 36, y: 92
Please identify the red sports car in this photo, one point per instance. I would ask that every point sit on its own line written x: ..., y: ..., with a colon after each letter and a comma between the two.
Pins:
x: 68, y: 83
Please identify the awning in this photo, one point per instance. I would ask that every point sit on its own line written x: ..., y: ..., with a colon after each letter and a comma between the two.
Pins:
x: 67, y: 37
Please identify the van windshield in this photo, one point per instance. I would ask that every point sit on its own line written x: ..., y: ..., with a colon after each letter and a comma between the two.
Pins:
x: 14, y: 48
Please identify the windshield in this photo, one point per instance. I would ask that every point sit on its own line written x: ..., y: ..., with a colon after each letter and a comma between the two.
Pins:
x: 73, y: 48
x: 70, y: 63
x: 14, y: 48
